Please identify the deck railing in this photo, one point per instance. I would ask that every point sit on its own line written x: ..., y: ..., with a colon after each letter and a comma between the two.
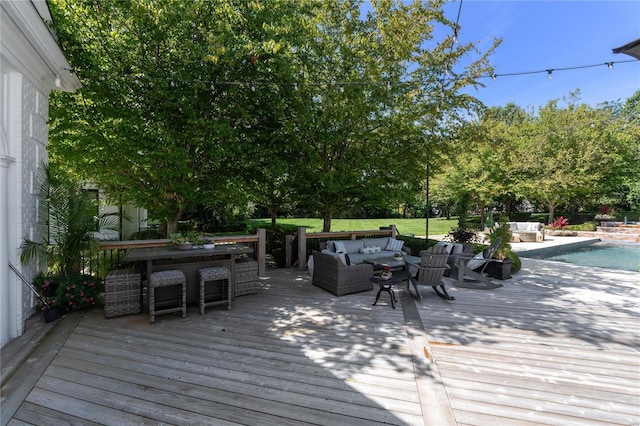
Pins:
x: 299, y: 247
x: 111, y: 253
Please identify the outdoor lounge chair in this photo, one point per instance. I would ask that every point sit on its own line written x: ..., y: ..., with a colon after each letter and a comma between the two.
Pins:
x: 474, y: 268
x: 433, y: 264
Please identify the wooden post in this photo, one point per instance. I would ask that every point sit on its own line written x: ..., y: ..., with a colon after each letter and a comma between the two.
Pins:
x: 262, y: 250
x: 394, y: 231
x: 302, y: 248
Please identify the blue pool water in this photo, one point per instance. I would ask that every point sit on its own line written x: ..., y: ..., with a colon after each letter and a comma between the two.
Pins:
x: 604, y: 254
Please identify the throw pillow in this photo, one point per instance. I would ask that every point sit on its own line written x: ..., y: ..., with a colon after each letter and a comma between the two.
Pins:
x: 344, y: 258
x: 341, y: 256
x: 340, y: 248
x: 394, y: 245
x: 310, y: 265
x: 448, y: 247
x: 457, y: 248
x: 376, y: 249
x: 477, y: 261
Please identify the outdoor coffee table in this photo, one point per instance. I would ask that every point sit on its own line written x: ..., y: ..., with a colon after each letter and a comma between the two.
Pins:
x: 386, y: 285
x: 401, y: 266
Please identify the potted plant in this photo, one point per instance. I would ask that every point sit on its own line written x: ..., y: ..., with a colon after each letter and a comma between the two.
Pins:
x: 500, y: 266
x: 69, y: 228
x: 181, y: 241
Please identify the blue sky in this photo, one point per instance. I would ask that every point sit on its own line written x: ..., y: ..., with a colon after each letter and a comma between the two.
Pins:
x: 541, y: 35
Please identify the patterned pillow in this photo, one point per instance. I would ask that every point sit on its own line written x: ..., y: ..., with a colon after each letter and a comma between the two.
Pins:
x: 376, y: 249
x: 394, y: 245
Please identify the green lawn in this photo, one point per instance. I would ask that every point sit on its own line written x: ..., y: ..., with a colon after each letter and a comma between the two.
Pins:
x: 438, y: 226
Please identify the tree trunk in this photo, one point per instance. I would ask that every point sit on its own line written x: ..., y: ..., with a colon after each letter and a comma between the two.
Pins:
x: 172, y: 224
x: 552, y: 212
x: 172, y: 227
x: 326, y: 221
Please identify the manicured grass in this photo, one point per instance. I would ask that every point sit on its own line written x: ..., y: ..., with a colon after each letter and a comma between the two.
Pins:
x: 438, y: 226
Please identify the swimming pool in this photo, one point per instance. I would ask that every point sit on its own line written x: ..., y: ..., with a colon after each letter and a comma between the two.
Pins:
x: 603, y: 254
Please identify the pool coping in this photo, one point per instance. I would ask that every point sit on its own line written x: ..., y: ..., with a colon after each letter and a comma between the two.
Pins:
x: 551, y: 245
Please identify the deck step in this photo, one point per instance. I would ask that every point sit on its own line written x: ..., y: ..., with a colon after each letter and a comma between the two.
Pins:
x: 18, y: 350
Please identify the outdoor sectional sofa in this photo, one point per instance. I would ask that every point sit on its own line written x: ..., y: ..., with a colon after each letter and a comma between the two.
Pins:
x: 340, y: 267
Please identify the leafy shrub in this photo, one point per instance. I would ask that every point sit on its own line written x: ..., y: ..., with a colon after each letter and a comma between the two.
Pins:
x: 147, y: 234
x: 276, y: 240
x: 516, y: 263
x: 559, y: 223
x: 416, y: 244
x: 70, y: 292
x: 504, y: 248
x: 461, y: 235
x: 587, y: 226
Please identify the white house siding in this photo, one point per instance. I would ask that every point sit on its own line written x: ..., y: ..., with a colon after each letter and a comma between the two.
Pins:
x: 30, y: 62
x: 34, y: 135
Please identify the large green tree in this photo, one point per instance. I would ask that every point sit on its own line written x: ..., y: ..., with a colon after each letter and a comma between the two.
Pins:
x: 382, y: 89
x: 192, y: 103
x: 160, y: 120
x: 571, y: 152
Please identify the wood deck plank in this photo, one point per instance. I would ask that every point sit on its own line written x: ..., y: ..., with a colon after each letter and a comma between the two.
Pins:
x: 555, y: 345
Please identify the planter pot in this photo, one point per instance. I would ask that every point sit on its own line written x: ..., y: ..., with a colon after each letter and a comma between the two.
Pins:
x: 562, y: 233
x: 184, y: 246
x: 500, y: 269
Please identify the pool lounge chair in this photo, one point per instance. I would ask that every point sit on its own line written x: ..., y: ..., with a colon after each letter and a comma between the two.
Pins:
x: 473, y: 268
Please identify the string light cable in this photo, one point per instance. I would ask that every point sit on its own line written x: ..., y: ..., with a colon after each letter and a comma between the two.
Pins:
x: 550, y: 71
x: 213, y: 85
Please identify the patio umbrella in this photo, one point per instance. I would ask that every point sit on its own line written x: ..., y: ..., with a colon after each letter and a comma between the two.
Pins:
x: 631, y: 49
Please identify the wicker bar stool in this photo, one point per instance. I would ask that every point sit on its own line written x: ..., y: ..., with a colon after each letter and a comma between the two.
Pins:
x: 214, y: 274
x: 166, y: 279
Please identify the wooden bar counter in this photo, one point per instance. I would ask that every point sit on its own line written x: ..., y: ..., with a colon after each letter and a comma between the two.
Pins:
x: 189, y: 261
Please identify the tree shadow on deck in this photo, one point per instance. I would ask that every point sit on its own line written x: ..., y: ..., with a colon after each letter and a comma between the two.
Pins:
x: 291, y: 354
x: 550, y: 299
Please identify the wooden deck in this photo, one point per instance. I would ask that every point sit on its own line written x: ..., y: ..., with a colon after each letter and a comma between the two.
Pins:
x: 557, y: 345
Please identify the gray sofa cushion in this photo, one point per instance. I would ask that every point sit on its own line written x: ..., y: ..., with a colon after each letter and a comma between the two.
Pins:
x: 376, y: 242
x: 358, y: 258
x: 352, y: 246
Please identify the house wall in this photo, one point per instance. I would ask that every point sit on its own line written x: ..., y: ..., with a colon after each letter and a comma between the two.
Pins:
x: 31, y: 65
x: 25, y: 108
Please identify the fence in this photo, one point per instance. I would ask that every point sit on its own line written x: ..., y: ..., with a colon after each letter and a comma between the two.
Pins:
x: 299, y: 246
x: 111, y: 253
